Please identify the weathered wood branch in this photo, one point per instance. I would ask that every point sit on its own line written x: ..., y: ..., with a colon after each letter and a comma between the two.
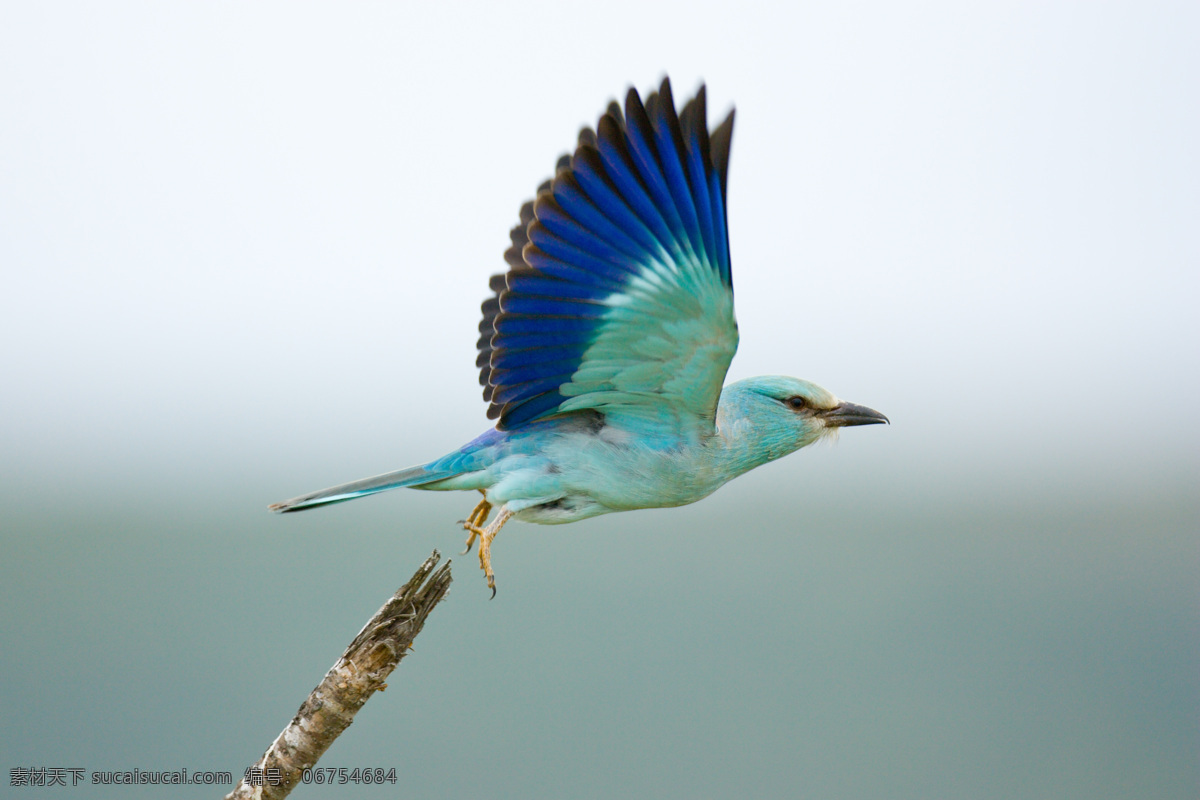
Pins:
x: 359, y: 673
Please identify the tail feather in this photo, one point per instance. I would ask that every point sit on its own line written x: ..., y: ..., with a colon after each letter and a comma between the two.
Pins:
x: 413, y: 476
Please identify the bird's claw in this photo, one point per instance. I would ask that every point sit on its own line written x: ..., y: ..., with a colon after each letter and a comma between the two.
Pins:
x: 474, y: 523
x: 475, y: 532
x: 486, y: 536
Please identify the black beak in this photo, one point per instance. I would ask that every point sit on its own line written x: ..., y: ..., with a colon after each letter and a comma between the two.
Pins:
x: 848, y: 414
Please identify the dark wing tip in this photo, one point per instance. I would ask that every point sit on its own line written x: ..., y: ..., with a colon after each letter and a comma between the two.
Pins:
x: 719, y: 143
x: 664, y: 92
x: 614, y: 111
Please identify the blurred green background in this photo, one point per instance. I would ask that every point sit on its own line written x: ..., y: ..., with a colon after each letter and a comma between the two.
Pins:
x: 243, y: 247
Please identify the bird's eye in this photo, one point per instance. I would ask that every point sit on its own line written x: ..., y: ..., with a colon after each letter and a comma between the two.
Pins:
x: 796, y: 403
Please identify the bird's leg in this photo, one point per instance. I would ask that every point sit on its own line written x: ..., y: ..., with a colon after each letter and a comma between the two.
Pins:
x: 474, y: 523
x: 485, y: 546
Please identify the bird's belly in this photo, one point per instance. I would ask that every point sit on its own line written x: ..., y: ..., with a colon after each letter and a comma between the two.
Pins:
x: 575, y: 477
x: 569, y: 508
x: 635, y: 480
x: 594, y: 501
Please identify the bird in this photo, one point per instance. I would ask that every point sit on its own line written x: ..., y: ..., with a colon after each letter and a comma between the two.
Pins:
x: 603, y: 348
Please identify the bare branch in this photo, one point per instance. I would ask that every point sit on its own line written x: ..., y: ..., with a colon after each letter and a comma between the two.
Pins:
x: 358, y: 674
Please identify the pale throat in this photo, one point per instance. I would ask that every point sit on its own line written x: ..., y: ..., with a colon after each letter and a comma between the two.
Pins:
x: 743, y: 442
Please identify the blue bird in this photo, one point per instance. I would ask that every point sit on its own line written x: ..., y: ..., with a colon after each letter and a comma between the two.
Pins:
x: 605, y: 346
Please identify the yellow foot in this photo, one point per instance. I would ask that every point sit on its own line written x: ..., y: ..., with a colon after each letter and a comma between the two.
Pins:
x: 485, y: 546
x: 474, y: 523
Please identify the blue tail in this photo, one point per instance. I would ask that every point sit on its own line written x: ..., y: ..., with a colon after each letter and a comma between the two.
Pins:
x: 413, y: 476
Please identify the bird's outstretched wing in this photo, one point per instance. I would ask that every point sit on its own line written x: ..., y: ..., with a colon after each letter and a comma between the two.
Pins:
x: 619, y: 296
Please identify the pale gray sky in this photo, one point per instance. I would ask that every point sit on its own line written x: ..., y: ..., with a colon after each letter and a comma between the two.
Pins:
x: 267, y: 219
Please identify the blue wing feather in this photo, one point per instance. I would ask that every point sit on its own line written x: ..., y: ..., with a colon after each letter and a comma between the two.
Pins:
x: 530, y: 410
x: 541, y: 262
x: 718, y: 153
x: 535, y: 371
x: 621, y: 170
x: 650, y: 168
x: 695, y: 141
x: 564, y: 251
x: 520, y: 342
x: 669, y: 142
x: 554, y: 287
x: 574, y: 201
x: 555, y: 219
x: 588, y: 170
x: 512, y: 303
x: 522, y: 391
x: 512, y: 359
x: 548, y: 328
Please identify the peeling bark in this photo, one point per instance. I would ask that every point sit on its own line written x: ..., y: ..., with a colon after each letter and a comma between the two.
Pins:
x: 359, y: 673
